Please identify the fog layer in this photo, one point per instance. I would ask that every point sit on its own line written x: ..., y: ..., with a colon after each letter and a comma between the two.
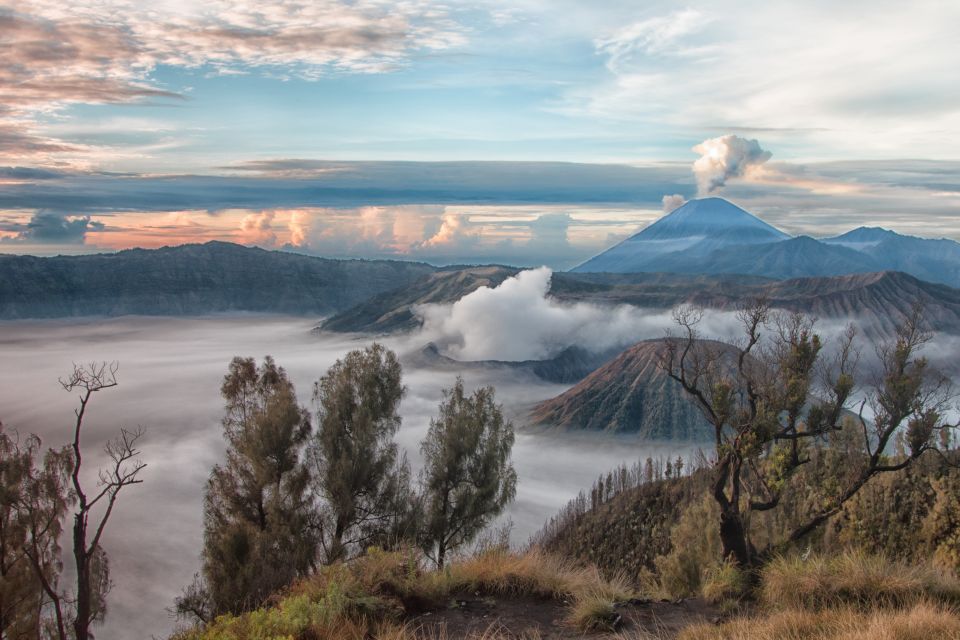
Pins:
x: 170, y: 374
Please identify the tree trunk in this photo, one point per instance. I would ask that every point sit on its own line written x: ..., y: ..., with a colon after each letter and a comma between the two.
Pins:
x: 733, y: 537
x: 81, y: 623
x: 441, y: 555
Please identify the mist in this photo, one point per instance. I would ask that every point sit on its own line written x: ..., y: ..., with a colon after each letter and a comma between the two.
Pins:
x: 169, y: 380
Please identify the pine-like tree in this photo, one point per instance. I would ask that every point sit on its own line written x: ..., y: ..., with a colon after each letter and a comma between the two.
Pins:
x: 361, y: 481
x: 259, y: 530
x: 467, y: 478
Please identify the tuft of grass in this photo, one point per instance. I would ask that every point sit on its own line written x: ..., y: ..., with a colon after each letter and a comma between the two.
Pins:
x: 594, y: 612
x: 853, y: 579
x: 725, y: 584
x: 922, y: 621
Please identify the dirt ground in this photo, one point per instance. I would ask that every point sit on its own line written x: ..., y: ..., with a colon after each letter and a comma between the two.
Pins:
x: 529, y: 618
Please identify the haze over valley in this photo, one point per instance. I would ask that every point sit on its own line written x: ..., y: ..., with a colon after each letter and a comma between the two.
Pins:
x: 358, y: 319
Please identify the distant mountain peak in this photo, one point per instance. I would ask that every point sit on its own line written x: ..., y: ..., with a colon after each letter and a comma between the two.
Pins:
x: 706, y: 215
x: 864, y: 234
x: 696, y: 228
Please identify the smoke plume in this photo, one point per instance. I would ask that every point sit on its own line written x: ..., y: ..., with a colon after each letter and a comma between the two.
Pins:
x: 726, y: 157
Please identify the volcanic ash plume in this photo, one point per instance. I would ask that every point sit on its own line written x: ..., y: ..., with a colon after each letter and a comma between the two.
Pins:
x: 726, y: 157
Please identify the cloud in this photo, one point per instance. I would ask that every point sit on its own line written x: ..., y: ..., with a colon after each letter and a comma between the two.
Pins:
x: 58, y: 53
x: 672, y: 202
x: 726, y: 157
x: 519, y: 321
x: 450, y: 232
x: 47, y: 227
x: 653, y: 36
x: 812, y: 74
x: 257, y: 228
x: 298, y: 227
x: 286, y: 167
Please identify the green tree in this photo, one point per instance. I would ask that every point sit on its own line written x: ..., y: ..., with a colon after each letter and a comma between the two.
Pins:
x: 773, y: 397
x: 259, y: 532
x: 33, y: 502
x: 361, y: 481
x: 467, y: 478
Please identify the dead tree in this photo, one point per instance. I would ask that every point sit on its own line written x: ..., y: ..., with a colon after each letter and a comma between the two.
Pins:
x: 123, y: 470
x: 49, y: 492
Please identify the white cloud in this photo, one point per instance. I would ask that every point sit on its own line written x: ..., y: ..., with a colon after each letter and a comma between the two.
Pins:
x: 830, y: 79
x: 653, y: 36
x: 518, y: 321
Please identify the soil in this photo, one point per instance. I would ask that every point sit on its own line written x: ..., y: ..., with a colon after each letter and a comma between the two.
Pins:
x: 529, y: 618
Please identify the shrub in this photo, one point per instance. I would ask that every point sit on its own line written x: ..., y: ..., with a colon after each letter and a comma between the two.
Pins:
x: 696, y: 550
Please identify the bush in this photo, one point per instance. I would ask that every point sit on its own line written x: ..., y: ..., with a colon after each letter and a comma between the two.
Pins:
x: 696, y: 550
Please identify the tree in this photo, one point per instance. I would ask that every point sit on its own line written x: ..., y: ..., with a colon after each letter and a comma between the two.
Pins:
x: 33, y: 503
x: 773, y: 398
x: 44, y: 495
x: 361, y: 480
x: 467, y: 478
x: 259, y: 532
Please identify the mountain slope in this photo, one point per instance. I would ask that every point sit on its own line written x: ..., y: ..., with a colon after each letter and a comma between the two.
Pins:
x: 794, y: 258
x: 629, y: 394
x: 876, y: 301
x: 193, y: 279
x: 694, y: 229
x: 568, y: 366
x: 935, y: 260
x: 393, y: 310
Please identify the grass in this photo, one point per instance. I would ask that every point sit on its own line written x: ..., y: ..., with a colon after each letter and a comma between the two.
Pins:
x: 371, y: 596
x: 850, y: 596
x: 853, y: 579
x: 724, y: 584
x: 922, y: 621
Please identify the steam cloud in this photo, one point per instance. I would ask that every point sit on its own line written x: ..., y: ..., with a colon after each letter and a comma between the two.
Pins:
x: 673, y: 202
x: 519, y: 321
x: 726, y: 157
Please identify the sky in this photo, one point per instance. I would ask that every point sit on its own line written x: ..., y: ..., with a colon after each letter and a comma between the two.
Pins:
x: 529, y: 132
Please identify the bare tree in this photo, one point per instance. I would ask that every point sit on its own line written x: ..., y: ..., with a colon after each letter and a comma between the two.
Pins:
x: 773, y: 396
x: 49, y: 492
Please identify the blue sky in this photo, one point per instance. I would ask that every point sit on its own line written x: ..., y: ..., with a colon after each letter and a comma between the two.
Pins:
x: 89, y: 90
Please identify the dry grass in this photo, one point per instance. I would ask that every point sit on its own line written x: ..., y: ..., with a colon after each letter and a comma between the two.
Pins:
x: 853, y: 579
x: 922, y: 621
x: 370, y: 596
x: 724, y: 584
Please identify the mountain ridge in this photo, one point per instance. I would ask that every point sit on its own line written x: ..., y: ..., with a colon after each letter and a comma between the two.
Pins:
x: 735, y: 244
x: 193, y: 279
